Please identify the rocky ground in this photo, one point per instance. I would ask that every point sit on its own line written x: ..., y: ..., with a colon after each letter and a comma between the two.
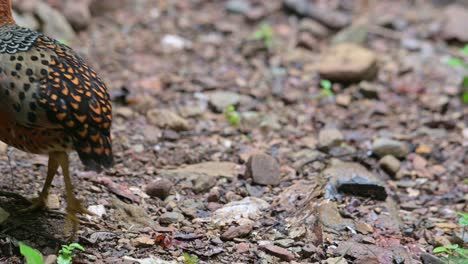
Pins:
x: 250, y: 131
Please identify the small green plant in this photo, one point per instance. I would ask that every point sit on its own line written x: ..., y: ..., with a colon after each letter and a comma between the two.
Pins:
x: 460, y: 63
x: 232, y: 115
x: 454, y: 253
x: 190, y: 259
x: 68, y: 252
x: 326, y: 86
x: 31, y: 255
x: 264, y: 33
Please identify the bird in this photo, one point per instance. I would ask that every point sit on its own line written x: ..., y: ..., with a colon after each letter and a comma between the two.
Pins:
x: 52, y: 103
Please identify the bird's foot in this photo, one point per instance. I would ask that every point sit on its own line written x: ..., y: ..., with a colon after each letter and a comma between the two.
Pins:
x: 74, y: 207
x: 38, y: 204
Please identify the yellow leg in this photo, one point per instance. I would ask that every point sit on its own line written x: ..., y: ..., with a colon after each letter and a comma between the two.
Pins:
x: 40, y: 202
x: 73, y: 204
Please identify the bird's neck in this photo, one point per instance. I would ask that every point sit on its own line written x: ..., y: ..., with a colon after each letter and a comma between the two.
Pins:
x: 6, y: 14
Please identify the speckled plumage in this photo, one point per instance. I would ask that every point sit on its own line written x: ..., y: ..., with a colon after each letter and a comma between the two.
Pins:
x: 51, y: 102
x: 48, y: 92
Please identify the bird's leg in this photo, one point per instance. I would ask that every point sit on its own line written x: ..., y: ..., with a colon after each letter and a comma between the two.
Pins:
x: 40, y: 202
x: 73, y: 204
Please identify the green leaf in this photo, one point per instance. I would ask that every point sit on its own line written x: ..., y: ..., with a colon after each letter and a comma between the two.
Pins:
x: 190, y: 259
x: 438, y: 250
x: 455, y: 62
x: 326, y: 84
x: 452, y: 247
x: 32, y: 256
x: 465, y: 82
x: 465, y: 97
x: 465, y: 50
x: 463, y: 221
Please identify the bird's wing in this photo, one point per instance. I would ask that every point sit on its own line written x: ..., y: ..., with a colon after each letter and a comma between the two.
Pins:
x: 73, y: 96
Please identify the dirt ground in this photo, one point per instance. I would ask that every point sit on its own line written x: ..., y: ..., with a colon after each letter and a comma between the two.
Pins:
x: 369, y: 170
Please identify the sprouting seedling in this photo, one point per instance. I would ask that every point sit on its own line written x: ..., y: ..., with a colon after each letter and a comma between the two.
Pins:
x: 68, y: 252
x: 265, y: 33
x: 463, y: 221
x: 31, y: 255
x: 454, y: 252
x: 190, y: 259
x: 464, y: 96
x: 232, y: 115
x: 326, y: 88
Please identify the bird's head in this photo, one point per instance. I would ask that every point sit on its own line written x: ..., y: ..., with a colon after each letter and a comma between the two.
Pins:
x: 6, y: 13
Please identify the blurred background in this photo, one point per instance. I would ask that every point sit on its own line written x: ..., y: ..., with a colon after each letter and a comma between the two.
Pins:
x: 324, y: 89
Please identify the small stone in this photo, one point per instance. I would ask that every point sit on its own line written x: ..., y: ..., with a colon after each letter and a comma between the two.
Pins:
x: 249, y: 207
x: 99, y: 210
x: 430, y: 259
x: 242, y: 248
x: 159, y: 188
x: 390, y: 164
x: 174, y: 42
x: 331, y: 18
x: 384, y: 146
x: 77, y: 12
x: 263, y: 169
x: 171, y: 218
x: 220, y: 100
x: 54, y: 24
x: 125, y: 112
x: 3, y: 147
x: 238, y: 6
x: 343, y: 100
x: 50, y: 259
x: 423, y: 150
x: 364, y: 228
x: 356, y: 34
x: 455, y: 27
x: 285, y: 243
x: 369, y: 90
x: 53, y: 201
x: 313, y: 27
x: 337, y: 260
x: 278, y: 252
x: 307, y: 41
x: 329, y: 216
x: 348, y: 63
x: 203, y: 184
x: 167, y: 119
x: 143, y: 241
x: 329, y: 138
x: 237, y: 231
x: 441, y: 241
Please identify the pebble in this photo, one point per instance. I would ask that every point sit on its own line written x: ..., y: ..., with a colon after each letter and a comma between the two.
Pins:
x: 329, y: 216
x: 263, y: 169
x: 159, y: 188
x: 247, y: 208
x: 355, y: 179
x: 242, y: 248
x: 348, y: 62
x: 238, y: 6
x: 330, y: 18
x: 174, y: 42
x: 390, y: 164
x: 430, y: 259
x: 171, y: 218
x: 279, y: 252
x: 167, y: 119
x: 220, y: 100
x: 143, y: 241
x: 329, y: 138
x: 54, y: 24
x: 236, y: 232
x: 384, y: 146
x: 455, y: 27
